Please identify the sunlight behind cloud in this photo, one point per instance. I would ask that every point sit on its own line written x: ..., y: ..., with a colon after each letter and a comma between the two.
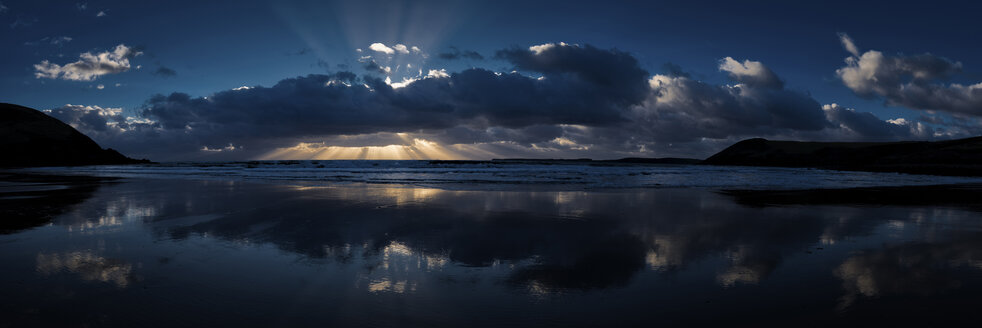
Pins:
x: 416, y: 149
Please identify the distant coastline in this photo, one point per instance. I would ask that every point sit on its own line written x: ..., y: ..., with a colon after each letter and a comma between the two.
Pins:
x: 30, y: 138
x: 960, y: 157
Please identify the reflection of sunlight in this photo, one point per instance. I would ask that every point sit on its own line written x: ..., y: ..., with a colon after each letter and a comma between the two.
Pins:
x: 416, y: 149
x: 89, y: 266
x: 403, y: 195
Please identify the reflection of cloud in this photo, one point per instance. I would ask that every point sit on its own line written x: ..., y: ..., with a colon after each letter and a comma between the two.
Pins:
x: 112, y: 214
x: 386, y: 285
x: 88, y: 266
x: 914, y: 268
x: 748, y: 266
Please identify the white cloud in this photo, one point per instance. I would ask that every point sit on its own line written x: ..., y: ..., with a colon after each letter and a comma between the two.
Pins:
x: 100, y: 14
x: 416, y: 49
x: 100, y: 87
x: 230, y: 147
x: 538, y: 49
x: 849, y: 44
x: 241, y: 88
x: 912, y: 81
x: 401, y: 48
x: 89, y: 66
x: 750, y: 72
x: 379, y: 47
x: 442, y: 73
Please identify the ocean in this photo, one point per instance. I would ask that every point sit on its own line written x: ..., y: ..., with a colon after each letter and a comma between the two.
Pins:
x: 485, y: 244
x: 504, y: 175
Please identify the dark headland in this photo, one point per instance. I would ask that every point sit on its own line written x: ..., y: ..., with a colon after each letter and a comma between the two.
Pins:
x: 31, y: 138
x: 961, y: 157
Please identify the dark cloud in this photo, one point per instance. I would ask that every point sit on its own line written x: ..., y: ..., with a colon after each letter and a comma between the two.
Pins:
x: 917, y: 81
x: 373, y: 66
x: 564, y: 99
x: 610, y: 71
x: 683, y: 109
x: 455, y: 54
x: 870, y: 127
x: 164, y: 72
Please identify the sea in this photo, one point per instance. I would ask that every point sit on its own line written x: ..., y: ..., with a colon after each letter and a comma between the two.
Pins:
x: 485, y: 244
x: 510, y: 174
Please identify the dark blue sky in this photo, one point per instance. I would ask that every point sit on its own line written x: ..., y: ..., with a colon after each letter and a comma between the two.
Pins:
x: 201, y: 48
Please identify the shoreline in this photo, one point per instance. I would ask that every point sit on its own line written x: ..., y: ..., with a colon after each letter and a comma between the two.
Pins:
x: 18, y: 187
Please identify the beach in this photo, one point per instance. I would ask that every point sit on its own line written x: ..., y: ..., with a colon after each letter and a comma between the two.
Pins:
x: 152, y: 251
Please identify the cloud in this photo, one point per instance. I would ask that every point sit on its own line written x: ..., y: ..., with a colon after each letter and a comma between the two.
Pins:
x: 373, y: 66
x: 88, y: 118
x: 562, y: 100
x: 455, y: 54
x: 89, y: 66
x: 848, y: 44
x: 912, y: 81
x: 867, y: 126
x: 100, y: 14
x: 23, y: 21
x: 680, y: 108
x: 397, y: 48
x: 379, y: 47
x: 55, y: 41
x: 165, y: 72
x: 81, y: 6
x: 400, y: 49
x: 751, y: 73
x: 3, y: 9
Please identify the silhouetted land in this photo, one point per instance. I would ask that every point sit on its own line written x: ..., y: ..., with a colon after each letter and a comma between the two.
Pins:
x: 578, y: 161
x: 961, y: 157
x: 31, y: 138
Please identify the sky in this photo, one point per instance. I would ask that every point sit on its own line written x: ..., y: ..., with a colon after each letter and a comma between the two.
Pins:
x: 243, y: 80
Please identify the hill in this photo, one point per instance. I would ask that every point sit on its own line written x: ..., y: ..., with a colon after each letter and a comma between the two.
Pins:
x: 950, y: 157
x: 31, y: 138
